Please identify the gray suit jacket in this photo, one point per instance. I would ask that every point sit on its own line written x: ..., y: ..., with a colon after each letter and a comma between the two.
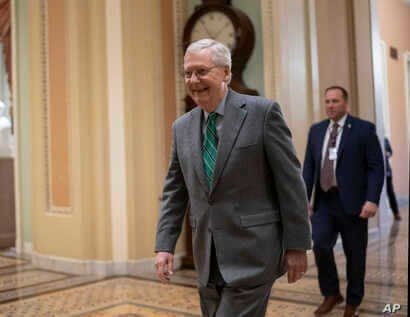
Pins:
x: 257, y: 206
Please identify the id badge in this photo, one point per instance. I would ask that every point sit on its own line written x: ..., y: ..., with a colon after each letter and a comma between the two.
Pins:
x: 332, y: 154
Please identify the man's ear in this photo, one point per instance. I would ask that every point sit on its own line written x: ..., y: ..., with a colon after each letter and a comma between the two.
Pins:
x: 227, y: 74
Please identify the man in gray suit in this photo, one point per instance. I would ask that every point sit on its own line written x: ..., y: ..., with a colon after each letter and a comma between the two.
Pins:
x: 233, y: 162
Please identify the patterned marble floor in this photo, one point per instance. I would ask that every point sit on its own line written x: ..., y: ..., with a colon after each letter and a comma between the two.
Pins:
x: 29, y: 291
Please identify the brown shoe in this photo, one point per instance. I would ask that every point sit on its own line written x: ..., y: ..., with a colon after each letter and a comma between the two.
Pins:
x: 350, y: 311
x: 397, y: 217
x: 328, y: 304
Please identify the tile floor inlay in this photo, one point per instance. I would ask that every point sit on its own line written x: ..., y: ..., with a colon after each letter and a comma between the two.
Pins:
x: 27, y: 291
x: 28, y: 278
x: 6, y: 262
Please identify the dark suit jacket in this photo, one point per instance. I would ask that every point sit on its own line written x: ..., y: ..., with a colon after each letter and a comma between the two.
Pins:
x: 359, y: 166
x: 257, y: 206
x: 388, y: 152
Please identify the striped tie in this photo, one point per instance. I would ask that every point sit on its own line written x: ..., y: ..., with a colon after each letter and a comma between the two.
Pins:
x: 209, y: 148
x: 327, y: 175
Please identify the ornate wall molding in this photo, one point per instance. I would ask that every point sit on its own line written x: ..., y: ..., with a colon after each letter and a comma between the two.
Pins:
x: 45, y: 84
x: 180, y: 12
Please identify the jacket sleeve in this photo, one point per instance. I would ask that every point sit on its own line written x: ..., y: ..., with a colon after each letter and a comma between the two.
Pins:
x: 375, y: 166
x: 288, y: 180
x: 174, y: 203
x: 309, y: 167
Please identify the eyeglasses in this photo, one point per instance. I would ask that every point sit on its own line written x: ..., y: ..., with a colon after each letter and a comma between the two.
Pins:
x: 199, y: 73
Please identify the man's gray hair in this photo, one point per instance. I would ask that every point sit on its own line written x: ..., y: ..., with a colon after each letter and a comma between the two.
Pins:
x: 221, y: 55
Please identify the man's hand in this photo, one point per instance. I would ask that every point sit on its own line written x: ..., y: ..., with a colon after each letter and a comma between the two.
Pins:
x: 310, y: 210
x: 164, y: 263
x: 296, y: 261
x: 369, y: 209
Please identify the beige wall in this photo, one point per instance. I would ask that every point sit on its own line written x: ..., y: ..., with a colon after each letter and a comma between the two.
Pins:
x: 150, y: 105
x: 394, y: 19
x: 81, y: 231
x: 144, y: 124
x: 292, y: 80
x: 170, y: 70
x: 335, y: 47
x: 94, y: 122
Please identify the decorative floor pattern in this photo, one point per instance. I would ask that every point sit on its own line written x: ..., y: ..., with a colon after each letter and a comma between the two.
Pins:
x: 27, y: 291
x: 109, y: 293
x: 132, y: 310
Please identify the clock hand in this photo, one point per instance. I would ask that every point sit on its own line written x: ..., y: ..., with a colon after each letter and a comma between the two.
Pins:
x: 206, y: 29
x: 220, y: 30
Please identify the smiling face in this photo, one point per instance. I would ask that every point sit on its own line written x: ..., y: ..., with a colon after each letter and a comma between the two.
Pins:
x: 207, y: 83
x: 336, y: 105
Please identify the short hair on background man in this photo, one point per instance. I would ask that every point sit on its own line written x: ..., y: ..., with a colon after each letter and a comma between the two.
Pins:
x: 221, y: 55
x: 343, y: 91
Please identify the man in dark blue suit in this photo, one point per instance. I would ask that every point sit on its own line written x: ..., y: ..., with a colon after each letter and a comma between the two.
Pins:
x: 388, y: 153
x: 344, y: 167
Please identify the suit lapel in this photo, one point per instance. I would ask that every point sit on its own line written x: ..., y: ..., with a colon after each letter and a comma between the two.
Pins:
x: 347, y: 127
x: 195, y: 131
x: 232, y: 123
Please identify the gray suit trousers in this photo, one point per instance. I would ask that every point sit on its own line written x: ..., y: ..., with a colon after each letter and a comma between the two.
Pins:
x: 234, y: 302
x: 220, y: 300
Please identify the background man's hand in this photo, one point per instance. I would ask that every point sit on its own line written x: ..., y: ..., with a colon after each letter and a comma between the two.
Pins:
x: 310, y: 210
x: 296, y: 261
x: 164, y: 263
x: 369, y: 209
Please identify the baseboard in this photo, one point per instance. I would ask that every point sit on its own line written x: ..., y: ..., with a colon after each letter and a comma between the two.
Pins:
x: 27, y: 252
x: 96, y: 267
x: 28, y: 248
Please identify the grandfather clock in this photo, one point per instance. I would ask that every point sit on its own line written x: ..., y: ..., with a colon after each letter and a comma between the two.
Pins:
x: 219, y: 20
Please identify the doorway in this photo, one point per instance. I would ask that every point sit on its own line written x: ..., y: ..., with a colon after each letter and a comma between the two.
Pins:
x: 7, y: 197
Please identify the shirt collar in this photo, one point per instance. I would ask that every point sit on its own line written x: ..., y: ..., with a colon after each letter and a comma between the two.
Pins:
x: 220, y: 109
x: 341, y: 121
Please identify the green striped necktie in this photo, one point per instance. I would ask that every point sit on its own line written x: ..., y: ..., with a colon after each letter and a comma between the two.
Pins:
x: 209, y: 148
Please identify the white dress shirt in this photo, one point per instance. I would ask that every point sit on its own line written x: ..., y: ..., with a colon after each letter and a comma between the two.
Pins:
x: 341, y: 123
x: 220, y: 110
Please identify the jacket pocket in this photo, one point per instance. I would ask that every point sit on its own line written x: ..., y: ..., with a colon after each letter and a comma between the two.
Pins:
x: 246, y: 146
x: 259, y: 219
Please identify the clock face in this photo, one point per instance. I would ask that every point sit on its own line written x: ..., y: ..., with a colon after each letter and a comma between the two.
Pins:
x: 215, y: 25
